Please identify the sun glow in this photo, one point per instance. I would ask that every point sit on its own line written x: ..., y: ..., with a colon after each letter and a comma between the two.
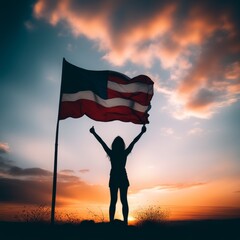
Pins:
x: 131, y: 219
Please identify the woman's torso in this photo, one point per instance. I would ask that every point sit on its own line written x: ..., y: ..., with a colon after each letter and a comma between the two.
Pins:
x: 118, y: 174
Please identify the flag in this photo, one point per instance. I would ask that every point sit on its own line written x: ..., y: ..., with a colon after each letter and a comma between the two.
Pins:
x: 104, y: 95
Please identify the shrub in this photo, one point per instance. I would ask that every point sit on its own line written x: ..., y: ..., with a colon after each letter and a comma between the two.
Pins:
x: 98, y: 217
x: 151, y: 215
x: 67, y: 217
x: 41, y: 213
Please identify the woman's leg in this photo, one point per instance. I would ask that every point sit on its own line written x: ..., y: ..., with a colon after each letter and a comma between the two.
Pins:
x: 113, y: 201
x: 123, y: 196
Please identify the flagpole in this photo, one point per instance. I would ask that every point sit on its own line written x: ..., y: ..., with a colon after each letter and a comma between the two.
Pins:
x: 54, y: 186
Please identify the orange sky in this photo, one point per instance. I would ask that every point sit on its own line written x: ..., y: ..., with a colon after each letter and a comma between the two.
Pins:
x: 181, y: 200
x: 188, y: 160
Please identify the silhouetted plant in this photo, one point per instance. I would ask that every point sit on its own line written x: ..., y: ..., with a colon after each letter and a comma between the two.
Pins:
x: 152, y: 214
x: 39, y: 214
x: 67, y: 217
x: 97, y: 217
x: 42, y: 213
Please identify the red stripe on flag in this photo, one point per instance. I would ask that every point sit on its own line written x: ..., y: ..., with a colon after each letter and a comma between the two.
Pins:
x: 99, y: 113
x: 142, y: 98
x: 141, y: 78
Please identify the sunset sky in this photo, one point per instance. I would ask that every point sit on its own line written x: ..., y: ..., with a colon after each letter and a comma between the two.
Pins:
x: 188, y: 161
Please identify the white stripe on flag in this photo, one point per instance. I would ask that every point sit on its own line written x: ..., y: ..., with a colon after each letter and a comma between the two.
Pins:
x: 131, y: 87
x: 108, y: 103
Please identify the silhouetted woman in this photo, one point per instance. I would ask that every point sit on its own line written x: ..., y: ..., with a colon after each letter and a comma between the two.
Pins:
x: 118, y: 175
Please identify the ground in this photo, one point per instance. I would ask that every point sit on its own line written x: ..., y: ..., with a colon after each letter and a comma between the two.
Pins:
x: 209, y: 229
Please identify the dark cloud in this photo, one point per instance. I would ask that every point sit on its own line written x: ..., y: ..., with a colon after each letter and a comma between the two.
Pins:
x: 17, y: 171
x: 25, y: 191
x: 5, y: 163
x: 203, y: 98
x: 84, y: 170
x: 34, y: 186
x: 67, y: 171
x: 40, y: 191
x: 7, y: 168
x: 67, y: 178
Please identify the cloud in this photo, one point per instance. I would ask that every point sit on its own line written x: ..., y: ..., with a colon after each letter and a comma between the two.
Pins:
x: 196, y: 42
x: 84, y: 170
x: 4, y: 147
x: 8, y: 169
x: 180, y: 186
x: 17, y: 171
x: 169, y: 187
x: 34, y: 186
x: 67, y: 178
x: 119, y: 28
x: 167, y: 131
x: 25, y: 191
x: 195, y: 131
x: 4, y: 163
x: 40, y: 192
x: 67, y: 171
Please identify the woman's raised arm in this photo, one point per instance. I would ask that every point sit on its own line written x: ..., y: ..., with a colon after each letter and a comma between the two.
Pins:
x: 131, y: 145
x: 104, y: 145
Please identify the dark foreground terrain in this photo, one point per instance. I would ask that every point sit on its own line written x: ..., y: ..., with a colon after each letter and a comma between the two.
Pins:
x: 209, y: 229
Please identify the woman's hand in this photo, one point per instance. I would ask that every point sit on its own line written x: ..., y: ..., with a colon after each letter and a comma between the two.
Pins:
x: 92, y: 130
x: 144, y: 129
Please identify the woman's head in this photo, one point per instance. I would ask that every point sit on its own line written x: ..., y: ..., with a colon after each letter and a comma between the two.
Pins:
x: 118, y: 144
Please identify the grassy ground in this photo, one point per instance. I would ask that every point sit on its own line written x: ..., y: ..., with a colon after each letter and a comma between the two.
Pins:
x: 194, y: 230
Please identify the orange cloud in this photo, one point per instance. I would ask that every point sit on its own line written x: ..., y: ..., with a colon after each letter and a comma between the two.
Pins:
x: 197, y: 42
x: 77, y: 192
x: 33, y: 191
x: 4, y: 147
x: 34, y: 186
x: 122, y: 35
x: 199, y: 25
x: 192, y: 196
x: 206, y: 86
